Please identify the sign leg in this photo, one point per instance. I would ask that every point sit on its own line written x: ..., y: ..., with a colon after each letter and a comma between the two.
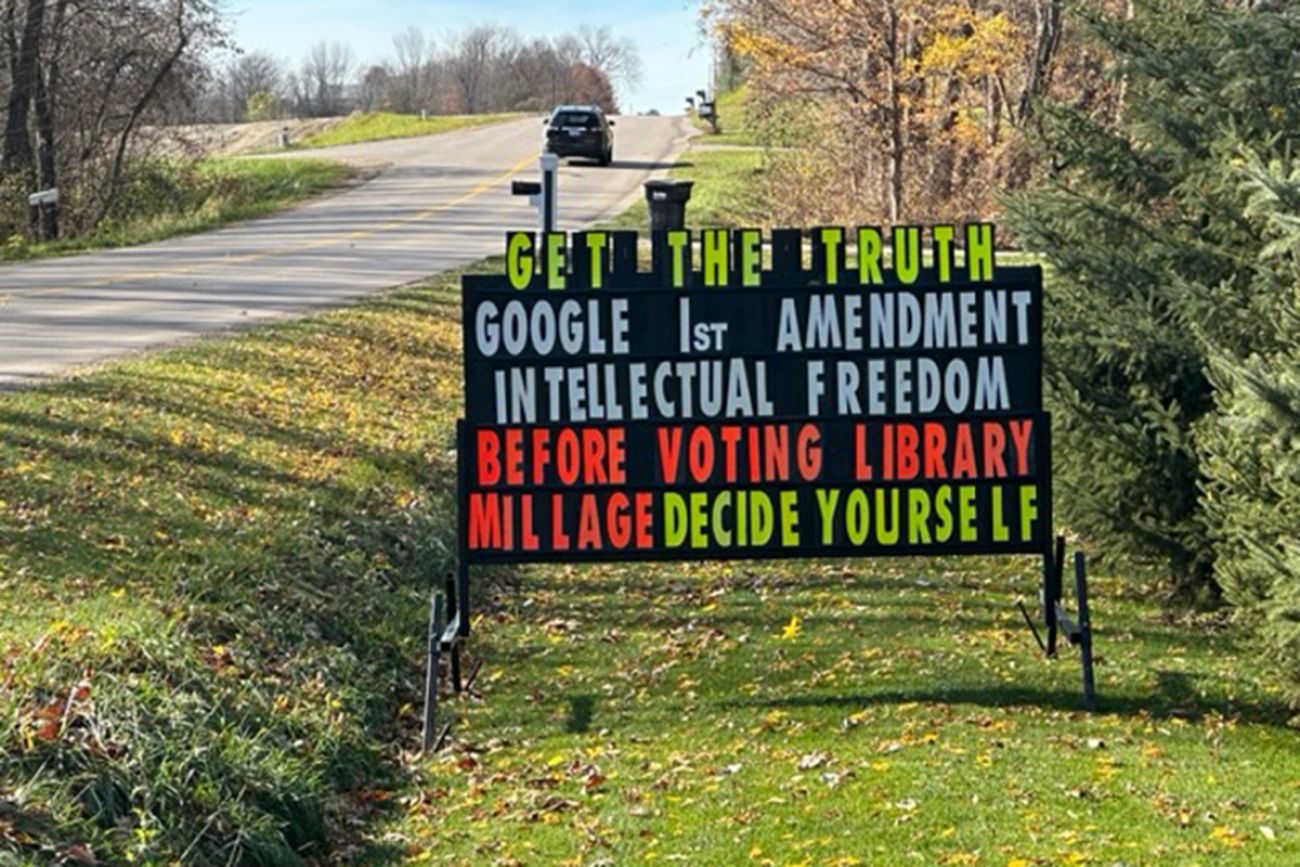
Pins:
x: 431, y: 673
x: 1053, y: 572
x: 1085, y: 628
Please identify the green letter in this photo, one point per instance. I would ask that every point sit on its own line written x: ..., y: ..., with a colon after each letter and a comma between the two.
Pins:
x: 832, y: 238
x: 1028, y: 511
x: 981, y: 252
x: 596, y: 243
x: 519, y: 259
x: 715, y: 257
x: 790, y: 519
x: 556, y: 247
x: 674, y: 520
x: 907, y: 253
x: 870, y: 248
x: 826, y: 502
x: 751, y: 258
x: 943, y: 252
x: 677, y: 242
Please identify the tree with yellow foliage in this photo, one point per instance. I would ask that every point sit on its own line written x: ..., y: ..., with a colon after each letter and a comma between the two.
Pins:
x: 925, y: 91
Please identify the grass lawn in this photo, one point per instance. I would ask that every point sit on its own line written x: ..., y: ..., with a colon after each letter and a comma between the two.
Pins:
x: 382, y: 125
x: 848, y: 713
x: 176, y: 200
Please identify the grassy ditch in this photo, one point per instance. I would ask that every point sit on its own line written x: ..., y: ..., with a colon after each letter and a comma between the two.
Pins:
x: 213, y: 568
x: 382, y: 125
x: 165, y: 199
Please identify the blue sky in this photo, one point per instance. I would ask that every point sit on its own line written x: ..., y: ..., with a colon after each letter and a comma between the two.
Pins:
x: 666, y: 31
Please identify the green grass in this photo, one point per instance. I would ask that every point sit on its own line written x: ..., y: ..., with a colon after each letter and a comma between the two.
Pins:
x: 164, y: 200
x: 848, y: 713
x: 726, y: 191
x: 213, y: 568
x: 380, y: 126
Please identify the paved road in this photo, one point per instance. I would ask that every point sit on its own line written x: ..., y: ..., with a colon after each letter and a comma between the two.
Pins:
x: 441, y: 202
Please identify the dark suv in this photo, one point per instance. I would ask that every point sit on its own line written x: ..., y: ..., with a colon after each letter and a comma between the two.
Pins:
x: 580, y: 131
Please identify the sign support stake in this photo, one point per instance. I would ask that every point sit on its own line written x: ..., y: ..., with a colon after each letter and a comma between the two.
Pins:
x: 431, y: 675
x: 1085, y: 628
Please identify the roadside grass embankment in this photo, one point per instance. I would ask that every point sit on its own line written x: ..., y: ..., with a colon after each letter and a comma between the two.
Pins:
x: 382, y: 125
x: 213, y: 572
x: 166, y: 199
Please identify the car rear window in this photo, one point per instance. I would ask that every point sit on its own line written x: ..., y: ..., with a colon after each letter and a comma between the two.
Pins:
x: 583, y: 119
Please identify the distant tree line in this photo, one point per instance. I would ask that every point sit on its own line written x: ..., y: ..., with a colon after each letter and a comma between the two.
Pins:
x: 87, y: 85
x: 484, y: 69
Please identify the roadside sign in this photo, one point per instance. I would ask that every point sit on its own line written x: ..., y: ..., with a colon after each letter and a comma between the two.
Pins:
x: 737, y: 402
x: 731, y: 410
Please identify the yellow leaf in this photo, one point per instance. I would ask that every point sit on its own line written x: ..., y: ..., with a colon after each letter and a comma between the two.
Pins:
x: 792, y: 629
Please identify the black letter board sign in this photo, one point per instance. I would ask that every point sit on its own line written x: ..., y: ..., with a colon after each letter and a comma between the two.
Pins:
x: 730, y: 404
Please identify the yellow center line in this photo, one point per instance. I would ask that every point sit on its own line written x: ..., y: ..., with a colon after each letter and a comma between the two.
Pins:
x: 326, y: 242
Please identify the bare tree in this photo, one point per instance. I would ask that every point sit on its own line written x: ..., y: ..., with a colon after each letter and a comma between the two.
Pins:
x: 617, y: 58
x: 248, y: 76
x: 474, y: 65
x: 375, y: 88
x: 412, y: 73
x: 323, y: 77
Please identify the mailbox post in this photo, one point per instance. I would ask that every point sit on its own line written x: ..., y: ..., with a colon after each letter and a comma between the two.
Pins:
x: 46, y: 203
x: 543, y: 195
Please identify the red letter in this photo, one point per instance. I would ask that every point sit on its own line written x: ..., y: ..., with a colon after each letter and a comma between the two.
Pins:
x: 527, y: 535
x: 862, y: 469
x: 701, y: 454
x: 484, y: 521
x: 489, y: 458
x: 670, y: 452
x: 618, y: 521
x: 731, y: 439
x: 909, y: 462
x: 995, y: 443
x: 810, y: 453
x: 589, y: 524
x: 593, y: 455
x: 644, y: 523
x: 567, y: 460
x: 1020, y: 432
x: 936, y: 443
x: 541, y: 454
x: 514, y: 456
x: 617, y: 456
x: 963, y: 454
x: 776, y: 442
x: 559, y: 539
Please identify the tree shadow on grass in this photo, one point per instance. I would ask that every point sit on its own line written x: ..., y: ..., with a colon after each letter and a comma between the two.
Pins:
x: 1175, y: 697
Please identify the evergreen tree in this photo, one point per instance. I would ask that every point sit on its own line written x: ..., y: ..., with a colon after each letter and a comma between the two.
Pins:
x: 1253, y: 449
x: 1142, y: 222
